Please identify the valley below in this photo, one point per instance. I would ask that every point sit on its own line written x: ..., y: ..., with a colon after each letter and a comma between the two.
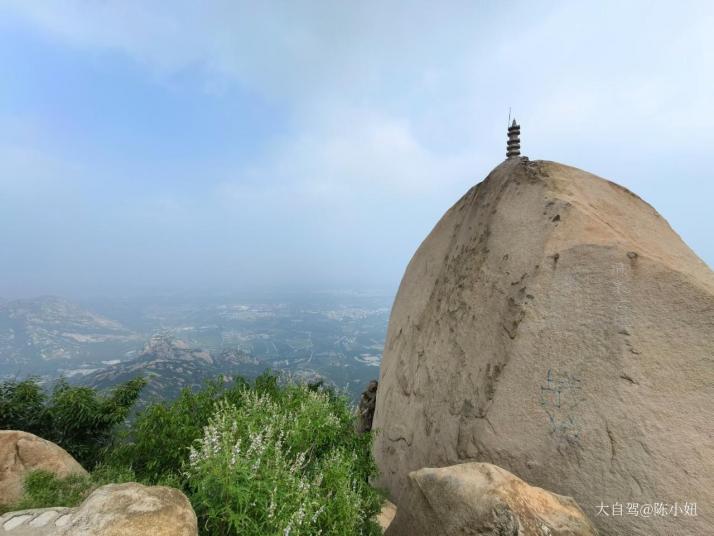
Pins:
x: 182, y: 341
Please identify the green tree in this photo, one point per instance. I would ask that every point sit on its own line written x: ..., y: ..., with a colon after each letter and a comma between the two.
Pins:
x: 79, y: 419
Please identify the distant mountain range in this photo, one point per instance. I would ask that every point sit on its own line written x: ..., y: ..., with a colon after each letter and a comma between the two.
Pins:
x: 48, y: 333
x: 170, y: 365
x: 336, y: 337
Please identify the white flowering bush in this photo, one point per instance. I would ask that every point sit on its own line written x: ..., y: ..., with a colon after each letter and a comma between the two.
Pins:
x: 283, y: 461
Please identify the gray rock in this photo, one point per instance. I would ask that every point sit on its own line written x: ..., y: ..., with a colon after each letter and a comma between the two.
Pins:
x: 553, y: 324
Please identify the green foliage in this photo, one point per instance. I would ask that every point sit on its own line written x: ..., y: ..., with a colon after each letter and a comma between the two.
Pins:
x: 157, y: 442
x: 43, y: 489
x: 22, y: 406
x: 76, y: 418
x: 283, y: 462
x: 298, y: 452
x: 260, y: 459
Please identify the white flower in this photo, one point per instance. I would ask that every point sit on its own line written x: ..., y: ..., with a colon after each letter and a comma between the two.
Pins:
x: 235, y: 452
x: 298, y: 463
x: 317, y: 514
x: 271, y: 507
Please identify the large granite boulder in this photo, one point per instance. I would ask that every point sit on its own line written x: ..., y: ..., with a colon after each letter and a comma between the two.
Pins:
x: 22, y: 452
x: 553, y: 324
x: 114, y: 510
x: 482, y: 499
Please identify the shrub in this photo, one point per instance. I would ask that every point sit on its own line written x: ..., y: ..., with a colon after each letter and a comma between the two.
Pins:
x: 76, y: 418
x: 283, y: 462
x: 156, y: 443
x: 260, y: 459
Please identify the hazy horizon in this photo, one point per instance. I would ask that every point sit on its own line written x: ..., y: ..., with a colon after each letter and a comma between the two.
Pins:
x: 233, y: 147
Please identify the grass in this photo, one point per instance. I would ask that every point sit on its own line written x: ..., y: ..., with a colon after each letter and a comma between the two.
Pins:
x: 43, y: 489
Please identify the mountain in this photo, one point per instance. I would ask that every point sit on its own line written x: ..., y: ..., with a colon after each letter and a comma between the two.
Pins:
x: 339, y: 337
x: 47, y: 333
x: 169, y: 365
x: 553, y: 324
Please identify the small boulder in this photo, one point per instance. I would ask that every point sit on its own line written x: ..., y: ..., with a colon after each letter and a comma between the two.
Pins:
x: 386, y: 515
x: 483, y: 499
x: 22, y: 452
x: 133, y: 510
x: 113, y: 510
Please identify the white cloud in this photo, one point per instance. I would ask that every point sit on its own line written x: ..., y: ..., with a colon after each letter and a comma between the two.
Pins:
x: 395, y: 109
x: 450, y: 71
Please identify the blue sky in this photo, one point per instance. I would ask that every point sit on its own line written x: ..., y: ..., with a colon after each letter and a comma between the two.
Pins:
x: 151, y: 146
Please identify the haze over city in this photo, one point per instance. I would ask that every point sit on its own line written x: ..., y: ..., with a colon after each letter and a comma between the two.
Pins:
x: 232, y: 145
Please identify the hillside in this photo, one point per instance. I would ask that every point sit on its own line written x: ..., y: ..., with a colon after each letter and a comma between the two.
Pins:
x: 169, y: 365
x: 47, y: 333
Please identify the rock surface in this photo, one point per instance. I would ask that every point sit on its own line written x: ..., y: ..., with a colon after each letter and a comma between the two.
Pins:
x: 386, y: 515
x: 480, y: 498
x: 22, y: 452
x: 114, y: 510
x: 36, y: 522
x: 365, y: 409
x: 553, y: 324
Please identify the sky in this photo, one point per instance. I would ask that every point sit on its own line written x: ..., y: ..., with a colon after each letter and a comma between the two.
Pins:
x: 153, y: 146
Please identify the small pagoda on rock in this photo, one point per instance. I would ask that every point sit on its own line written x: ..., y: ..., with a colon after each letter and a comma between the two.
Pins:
x: 513, y: 147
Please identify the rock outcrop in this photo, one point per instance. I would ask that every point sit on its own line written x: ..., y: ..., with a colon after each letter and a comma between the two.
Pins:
x: 22, y: 452
x: 480, y: 498
x: 170, y: 365
x: 365, y: 409
x: 114, y: 510
x: 553, y: 324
